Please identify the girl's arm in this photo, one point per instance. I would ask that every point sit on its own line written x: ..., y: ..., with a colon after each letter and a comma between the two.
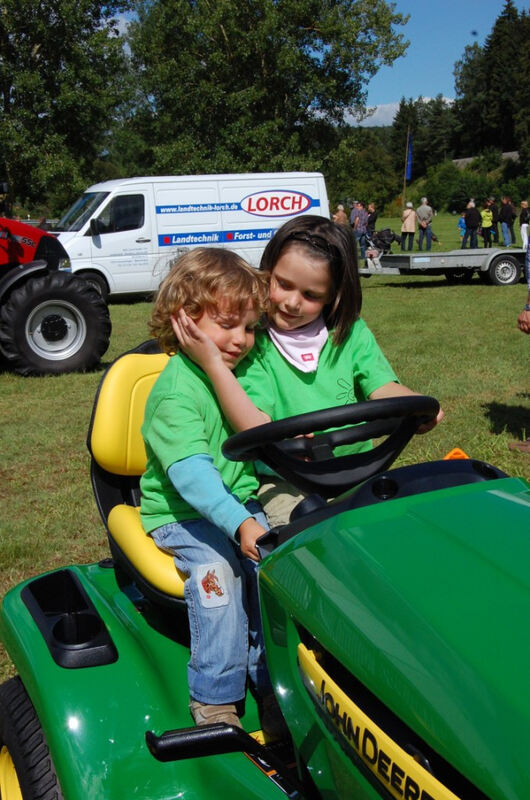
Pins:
x: 393, y: 389
x: 237, y: 406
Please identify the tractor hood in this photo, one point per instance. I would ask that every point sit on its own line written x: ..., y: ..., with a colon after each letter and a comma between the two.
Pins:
x: 403, y: 626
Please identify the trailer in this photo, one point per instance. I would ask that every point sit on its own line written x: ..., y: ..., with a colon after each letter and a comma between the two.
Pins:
x: 493, y: 265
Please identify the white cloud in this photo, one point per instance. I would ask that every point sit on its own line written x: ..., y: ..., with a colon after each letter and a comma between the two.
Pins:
x: 383, y: 114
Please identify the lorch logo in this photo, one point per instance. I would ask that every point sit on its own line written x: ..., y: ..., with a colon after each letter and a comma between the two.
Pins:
x: 276, y: 203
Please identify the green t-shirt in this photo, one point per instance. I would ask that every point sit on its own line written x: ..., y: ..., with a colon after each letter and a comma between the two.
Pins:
x: 345, y: 374
x: 182, y: 419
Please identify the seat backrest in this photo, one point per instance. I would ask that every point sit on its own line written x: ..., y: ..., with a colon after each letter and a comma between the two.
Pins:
x: 118, y: 461
x: 115, y: 439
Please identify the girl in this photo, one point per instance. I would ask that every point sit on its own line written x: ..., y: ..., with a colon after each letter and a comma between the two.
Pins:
x: 316, y: 351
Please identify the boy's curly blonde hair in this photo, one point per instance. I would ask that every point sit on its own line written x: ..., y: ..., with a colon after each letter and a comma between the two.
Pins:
x: 198, y: 281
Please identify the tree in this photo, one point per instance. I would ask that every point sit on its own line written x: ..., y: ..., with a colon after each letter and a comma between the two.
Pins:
x: 501, y: 58
x: 361, y: 167
x: 470, y: 87
x: 491, y: 86
x: 430, y: 124
x: 61, y: 67
x: 255, y: 84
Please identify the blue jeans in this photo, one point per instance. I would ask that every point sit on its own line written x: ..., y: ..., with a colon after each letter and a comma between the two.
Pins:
x: 470, y: 233
x: 361, y: 239
x: 506, y: 234
x: 221, y: 593
x: 427, y: 234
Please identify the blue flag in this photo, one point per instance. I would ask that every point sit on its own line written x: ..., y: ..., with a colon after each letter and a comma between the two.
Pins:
x: 408, y: 168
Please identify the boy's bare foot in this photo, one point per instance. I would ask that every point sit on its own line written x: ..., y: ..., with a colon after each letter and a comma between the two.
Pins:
x: 207, y: 714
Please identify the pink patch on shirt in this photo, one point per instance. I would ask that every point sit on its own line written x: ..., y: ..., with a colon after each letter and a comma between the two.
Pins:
x: 308, y: 357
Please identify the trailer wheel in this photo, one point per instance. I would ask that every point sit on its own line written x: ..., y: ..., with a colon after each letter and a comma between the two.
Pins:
x: 505, y: 271
x: 54, y: 323
x: 459, y: 276
x: 26, y: 768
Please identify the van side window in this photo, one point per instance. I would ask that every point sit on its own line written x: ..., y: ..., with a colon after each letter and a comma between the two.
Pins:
x: 123, y: 213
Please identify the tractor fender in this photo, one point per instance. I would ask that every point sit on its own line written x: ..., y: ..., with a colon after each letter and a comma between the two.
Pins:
x: 19, y: 274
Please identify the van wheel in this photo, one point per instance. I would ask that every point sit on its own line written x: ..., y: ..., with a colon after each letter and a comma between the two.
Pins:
x: 26, y: 768
x: 97, y: 281
x: 54, y: 323
x: 505, y: 271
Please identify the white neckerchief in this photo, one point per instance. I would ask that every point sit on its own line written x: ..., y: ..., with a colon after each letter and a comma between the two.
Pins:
x: 301, y: 347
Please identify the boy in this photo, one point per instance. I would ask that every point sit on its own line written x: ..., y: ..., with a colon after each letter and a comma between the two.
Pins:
x: 195, y: 503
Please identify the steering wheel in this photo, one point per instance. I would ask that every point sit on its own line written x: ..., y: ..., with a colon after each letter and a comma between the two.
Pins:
x: 310, y: 463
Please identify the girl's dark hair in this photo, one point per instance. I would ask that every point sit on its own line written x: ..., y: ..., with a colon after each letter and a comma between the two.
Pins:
x: 334, y: 244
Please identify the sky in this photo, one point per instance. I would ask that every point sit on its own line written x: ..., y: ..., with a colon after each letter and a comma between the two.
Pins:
x: 438, y: 32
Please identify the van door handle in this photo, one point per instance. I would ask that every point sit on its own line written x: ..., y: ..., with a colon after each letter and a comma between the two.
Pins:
x: 141, y: 240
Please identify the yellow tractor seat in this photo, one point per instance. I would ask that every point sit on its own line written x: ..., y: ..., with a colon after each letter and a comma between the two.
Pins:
x: 118, y: 461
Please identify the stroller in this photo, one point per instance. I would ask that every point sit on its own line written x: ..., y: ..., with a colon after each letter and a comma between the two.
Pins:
x: 382, y: 240
x: 378, y: 244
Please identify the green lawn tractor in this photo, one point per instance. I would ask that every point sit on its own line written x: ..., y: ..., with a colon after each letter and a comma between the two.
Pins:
x: 395, y: 607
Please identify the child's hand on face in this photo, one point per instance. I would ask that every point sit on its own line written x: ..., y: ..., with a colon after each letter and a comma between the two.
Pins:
x: 249, y: 531
x: 193, y: 342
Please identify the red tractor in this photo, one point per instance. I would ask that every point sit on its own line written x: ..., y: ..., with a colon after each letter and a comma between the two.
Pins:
x: 50, y: 320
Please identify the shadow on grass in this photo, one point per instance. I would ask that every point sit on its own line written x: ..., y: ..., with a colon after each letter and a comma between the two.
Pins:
x: 417, y: 284
x: 514, y: 420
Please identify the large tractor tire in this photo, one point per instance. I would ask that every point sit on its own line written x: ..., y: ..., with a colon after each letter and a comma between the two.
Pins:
x: 26, y: 768
x: 54, y: 323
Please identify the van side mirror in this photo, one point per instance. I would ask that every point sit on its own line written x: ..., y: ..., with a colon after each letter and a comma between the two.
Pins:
x: 95, y: 226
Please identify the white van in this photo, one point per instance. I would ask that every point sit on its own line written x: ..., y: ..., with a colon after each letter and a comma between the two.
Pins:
x: 122, y: 234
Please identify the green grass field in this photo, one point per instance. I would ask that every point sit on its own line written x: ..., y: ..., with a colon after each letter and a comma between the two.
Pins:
x: 458, y: 343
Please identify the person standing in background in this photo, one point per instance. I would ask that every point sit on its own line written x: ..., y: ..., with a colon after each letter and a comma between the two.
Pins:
x: 487, y: 221
x: 461, y: 225
x: 358, y: 221
x: 425, y: 216
x: 408, y: 226
x: 511, y: 224
x: 523, y: 323
x: 506, y: 219
x: 473, y: 220
x: 340, y: 216
x: 372, y: 220
x: 524, y: 218
x: 495, y: 220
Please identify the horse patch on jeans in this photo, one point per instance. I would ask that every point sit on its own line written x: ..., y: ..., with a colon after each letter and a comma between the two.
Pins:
x: 212, y: 586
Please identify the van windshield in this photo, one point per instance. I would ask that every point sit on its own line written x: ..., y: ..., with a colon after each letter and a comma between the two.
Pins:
x: 81, y: 211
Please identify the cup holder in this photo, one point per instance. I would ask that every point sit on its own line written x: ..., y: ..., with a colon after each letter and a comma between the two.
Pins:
x: 77, y: 629
x: 74, y: 632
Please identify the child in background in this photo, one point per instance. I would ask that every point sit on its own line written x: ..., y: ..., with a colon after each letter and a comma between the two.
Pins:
x: 197, y: 505
x: 486, y: 217
x: 316, y: 352
x: 462, y: 224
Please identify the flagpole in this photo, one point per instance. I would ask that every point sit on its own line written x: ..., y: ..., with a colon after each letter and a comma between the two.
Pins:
x: 405, y: 169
